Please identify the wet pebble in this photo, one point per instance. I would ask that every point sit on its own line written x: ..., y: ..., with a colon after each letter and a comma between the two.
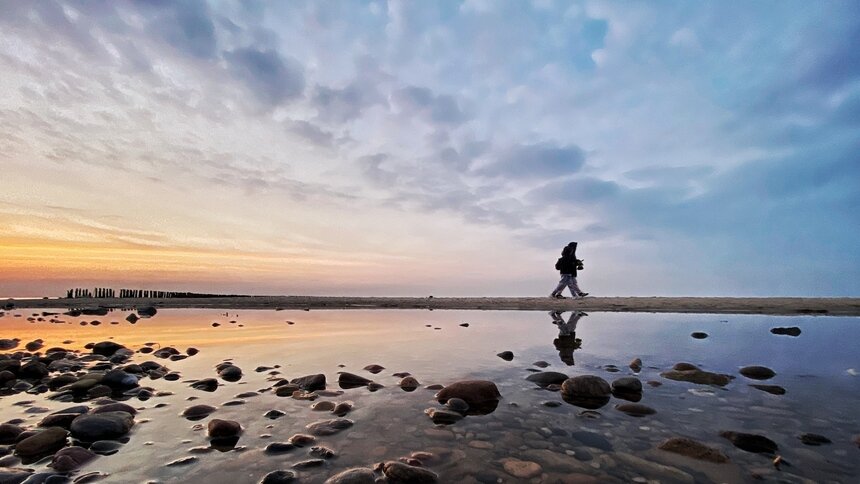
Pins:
x: 751, y: 442
x: 400, y: 472
x: 693, y: 449
x: 757, y: 372
x: 183, y: 461
x: 278, y: 448
x: 409, y: 384
x: 198, y: 412
x: 789, y: 331
x: 279, y: 477
x: 322, y: 452
x: 772, y: 389
x: 301, y: 440
x: 309, y: 463
x: 814, y: 439
x: 274, y: 414
x: 522, y: 469
x: 356, y: 475
x: 71, y: 458
x: 635, y: 409
x: 329, y: 427
x: 323, y: 406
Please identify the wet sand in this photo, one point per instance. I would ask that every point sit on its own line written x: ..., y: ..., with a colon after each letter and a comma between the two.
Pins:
x: 705, y: 305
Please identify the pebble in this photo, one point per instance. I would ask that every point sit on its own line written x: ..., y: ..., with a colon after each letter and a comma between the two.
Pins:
x: 279, y: 447
x: 198, y: 412
x: 309, y: 463
x: 789, y: 331
x: 756, y: 372
x: 217, y: 428
x: 329, y: 427
x: 506, y: 355
x: 71, y: 458
x: 814, y: 439
x: 635, y: 409
x: 323, y: 406
x: 522, y: 469
x: 400, y: 472
x: 183, y: 461
x: 301, y: 440
x: 693, y: 449
x: 751, y: 442
x: 274, y: 414
x: 42, y: 443
x: 356, y: 475
x: 279, y: 477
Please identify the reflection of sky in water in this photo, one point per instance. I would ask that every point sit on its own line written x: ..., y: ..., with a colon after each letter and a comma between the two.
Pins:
x: 809, y: 366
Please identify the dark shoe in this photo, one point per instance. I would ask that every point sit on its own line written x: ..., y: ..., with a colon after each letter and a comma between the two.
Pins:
x: 583, y: 294
x: 557, y: 296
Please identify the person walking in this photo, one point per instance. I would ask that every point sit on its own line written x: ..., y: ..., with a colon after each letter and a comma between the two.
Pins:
x: 567, y: 265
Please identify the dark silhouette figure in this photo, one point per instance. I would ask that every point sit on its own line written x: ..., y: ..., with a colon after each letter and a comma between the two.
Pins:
x: 567, y: 342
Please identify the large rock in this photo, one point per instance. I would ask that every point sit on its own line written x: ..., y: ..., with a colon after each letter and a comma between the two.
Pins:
x: 310, y: 383
x: 694, y: 450
x: 481, y: 395
x: 547, y: 378
x: 587, y: 391
x: 356, y: 475
x: 71, y: 458
x: 43, y: 443
x: 751, y: 442
x: 399, y: 472
x: 102, y: 426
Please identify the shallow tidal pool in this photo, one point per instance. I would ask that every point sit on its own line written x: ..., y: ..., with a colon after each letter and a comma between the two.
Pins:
x: 531, y: 434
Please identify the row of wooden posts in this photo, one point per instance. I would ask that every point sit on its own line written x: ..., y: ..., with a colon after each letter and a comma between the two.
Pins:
x: 103, y: 292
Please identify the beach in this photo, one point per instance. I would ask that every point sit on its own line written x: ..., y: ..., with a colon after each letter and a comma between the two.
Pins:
x: 707, y: 305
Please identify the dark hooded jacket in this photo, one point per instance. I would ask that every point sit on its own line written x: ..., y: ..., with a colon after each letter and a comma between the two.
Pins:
x: 566, y: 264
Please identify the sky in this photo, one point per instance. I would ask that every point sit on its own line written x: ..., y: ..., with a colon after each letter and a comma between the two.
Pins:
x: 418, y: 148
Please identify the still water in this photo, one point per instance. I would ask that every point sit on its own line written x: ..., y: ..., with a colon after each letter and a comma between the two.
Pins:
x: 533, y: 435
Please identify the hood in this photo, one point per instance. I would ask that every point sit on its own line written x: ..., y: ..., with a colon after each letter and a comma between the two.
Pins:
x: 569, y: 249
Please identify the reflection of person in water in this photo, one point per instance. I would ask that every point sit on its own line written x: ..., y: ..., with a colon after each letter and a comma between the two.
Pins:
x: 567, y: 341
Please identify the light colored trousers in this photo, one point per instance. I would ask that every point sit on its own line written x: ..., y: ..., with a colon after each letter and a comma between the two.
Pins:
x: 567, y: 280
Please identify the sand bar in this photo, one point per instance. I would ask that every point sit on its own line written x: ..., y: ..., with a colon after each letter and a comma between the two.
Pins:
x: 720, y: 305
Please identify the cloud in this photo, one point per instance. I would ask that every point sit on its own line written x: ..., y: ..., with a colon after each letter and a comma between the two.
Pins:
x: 187, y: 26
x: 269, y: 76
x: 421, y: 101
x: 535, y: 161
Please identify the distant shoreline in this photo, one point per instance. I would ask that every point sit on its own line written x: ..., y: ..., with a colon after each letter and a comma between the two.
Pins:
x: 788, y: 306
